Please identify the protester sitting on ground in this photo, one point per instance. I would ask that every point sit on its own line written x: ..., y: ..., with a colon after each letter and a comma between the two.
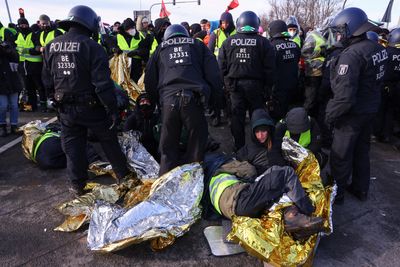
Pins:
x: 304, y: 130
x: 262, y: 151
x: 233, y: 190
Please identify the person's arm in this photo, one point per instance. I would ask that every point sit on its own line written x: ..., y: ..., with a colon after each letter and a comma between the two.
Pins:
x: 315, y: 145
x: 269, y: 66
x: 212, y: 42
x: 344, y: 83
x: 151, y: 77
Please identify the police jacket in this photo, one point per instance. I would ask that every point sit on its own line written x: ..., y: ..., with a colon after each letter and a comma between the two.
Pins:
x: 78, y: 67
x: 356, y: 77
x: 183, y: 63
x: 392, y: 71
x: 287, y: 56
x: 325, y: 92
x: 247, y: 56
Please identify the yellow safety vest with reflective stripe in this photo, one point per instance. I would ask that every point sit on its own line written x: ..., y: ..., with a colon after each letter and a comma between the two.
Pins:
x: 220, y: 37
x: 218, y: 185
x: 50, y: 36
x: 123, y: 45
x: 153, y: 46
x: 61, y: 30
x: 305, y: 138
x: 319, y: 42
x: 297, y: 40
x: 23, y: 46
x: 2, y: 30
x: 41, y: 140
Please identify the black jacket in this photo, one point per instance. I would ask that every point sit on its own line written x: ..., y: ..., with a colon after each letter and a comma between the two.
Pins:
x: 392, y: 71
x: 182, y: 63
x: 256, y: 153
x: 9, y: 80
x: 78, y: 66
x: 247, y: 56
x: 356, y: 78
x: 287, y: 56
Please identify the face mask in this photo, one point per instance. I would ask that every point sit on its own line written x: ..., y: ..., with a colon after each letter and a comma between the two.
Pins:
x: 132, y: 32
x: 292, y: 33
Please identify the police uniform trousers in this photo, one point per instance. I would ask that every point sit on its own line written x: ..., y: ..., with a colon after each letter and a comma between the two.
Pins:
x: 254, y: 199
x: 175, y: 115
x: 75, y: 123
x: 350, y: 151
x: 246, y: 95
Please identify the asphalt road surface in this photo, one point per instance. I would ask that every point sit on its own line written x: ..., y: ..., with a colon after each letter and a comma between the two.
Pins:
x: 365, y: 233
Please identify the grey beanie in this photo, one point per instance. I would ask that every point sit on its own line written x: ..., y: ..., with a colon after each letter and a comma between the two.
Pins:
x: 297, y: 120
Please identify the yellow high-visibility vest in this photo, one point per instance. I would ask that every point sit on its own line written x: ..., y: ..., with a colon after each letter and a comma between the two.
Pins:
x: 23, y: 46
x: 217, y: 186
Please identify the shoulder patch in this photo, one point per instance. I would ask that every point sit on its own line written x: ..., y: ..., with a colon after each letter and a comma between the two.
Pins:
x: 343, y: 69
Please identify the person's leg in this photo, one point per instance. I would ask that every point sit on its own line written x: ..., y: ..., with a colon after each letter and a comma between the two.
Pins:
x: 238, y: 118
x: 3, y: 115
x: 170, y: 135
x: 13, y: 104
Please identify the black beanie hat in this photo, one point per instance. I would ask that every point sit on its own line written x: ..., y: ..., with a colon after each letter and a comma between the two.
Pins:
x: 297, y: 120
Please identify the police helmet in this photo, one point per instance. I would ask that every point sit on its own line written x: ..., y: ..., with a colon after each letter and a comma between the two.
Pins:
x: 277, y: 28
x: 351, y: 22
x: 248, y: 22
x: 175, y: 30
x: 373, y: 36
x: 394, y: 38
x: 84, y: 16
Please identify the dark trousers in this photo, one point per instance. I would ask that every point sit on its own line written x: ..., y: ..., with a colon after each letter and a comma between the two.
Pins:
x: 33, y: 84
x: 350, y: 152
x: 136, y: 69
x: 174, y: 116
x: 385, y: 119
x: 311, y: 87
x: 253, y: 200
x: 75, y: 123
x: 247, y: 95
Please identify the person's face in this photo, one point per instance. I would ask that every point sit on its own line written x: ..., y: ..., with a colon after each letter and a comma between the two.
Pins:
x: 224, y: 24
x: 203, y: 26
x: 145, y: 25
x: 292, y: 31
x: 261, y: 135
x: 115, y: 27
x: 44, y: 24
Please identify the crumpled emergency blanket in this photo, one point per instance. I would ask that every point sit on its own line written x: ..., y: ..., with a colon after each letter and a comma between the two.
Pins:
x: 170, y: 209
x: 266, y: 238
x: 120, y: 66
x: 32, y: 132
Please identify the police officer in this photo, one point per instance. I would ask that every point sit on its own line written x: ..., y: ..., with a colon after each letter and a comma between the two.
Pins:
x: 247, y: 62
x: 287, y: 55
x: 390, y: 90
x: 84, y: 91
x: 182, y: 75
x: 357, y: 74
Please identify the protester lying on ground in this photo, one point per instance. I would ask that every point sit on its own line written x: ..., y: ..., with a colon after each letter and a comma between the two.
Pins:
x: 234, y: 190
x: 304, y: 130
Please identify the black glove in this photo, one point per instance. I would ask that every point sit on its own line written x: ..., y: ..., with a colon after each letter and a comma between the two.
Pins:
x: 133, y: 53
x: 116, y: 120
x: 116, y: 50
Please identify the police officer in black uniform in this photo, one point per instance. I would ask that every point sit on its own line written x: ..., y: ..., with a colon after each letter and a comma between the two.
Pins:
x: 79, y: 73
x: 390, y: 91
x: 356, y: 79
x: 182, y: 75
x: 247, y: 63
x: 287, y: 55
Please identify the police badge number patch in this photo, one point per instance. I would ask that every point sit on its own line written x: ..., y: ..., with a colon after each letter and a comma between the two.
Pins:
x: 343, y: 69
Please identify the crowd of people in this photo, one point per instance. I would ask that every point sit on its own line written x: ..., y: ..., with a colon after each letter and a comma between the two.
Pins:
x: 328, y: 89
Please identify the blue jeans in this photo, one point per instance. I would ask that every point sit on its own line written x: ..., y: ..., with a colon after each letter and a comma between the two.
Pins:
x: 10, y: 102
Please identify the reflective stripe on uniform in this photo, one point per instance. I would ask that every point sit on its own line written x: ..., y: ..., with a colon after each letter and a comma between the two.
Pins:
x: 41, y: 140
x: 217, y: 186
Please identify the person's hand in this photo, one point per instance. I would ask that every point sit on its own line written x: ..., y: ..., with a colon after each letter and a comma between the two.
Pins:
x: 116, y: 120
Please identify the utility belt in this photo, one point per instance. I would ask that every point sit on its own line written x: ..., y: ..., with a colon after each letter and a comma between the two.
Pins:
x: 186, y: 96
x: 89, y: 100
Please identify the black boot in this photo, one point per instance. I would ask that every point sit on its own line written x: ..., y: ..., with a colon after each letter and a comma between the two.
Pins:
x: 3, y: 130
x: 301, y: 225
x: 14, y: 130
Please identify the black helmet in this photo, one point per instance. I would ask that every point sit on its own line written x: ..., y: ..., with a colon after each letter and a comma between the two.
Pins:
x: 84, y: 16
x: 351, y: 22
x: 394, y: 38
x: 373, y: 36
x: 175, y: 30
x: 277, y: 27
x: 248, y: 22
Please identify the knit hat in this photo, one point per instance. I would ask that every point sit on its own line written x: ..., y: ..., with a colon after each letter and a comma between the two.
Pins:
x: 297, y: 120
